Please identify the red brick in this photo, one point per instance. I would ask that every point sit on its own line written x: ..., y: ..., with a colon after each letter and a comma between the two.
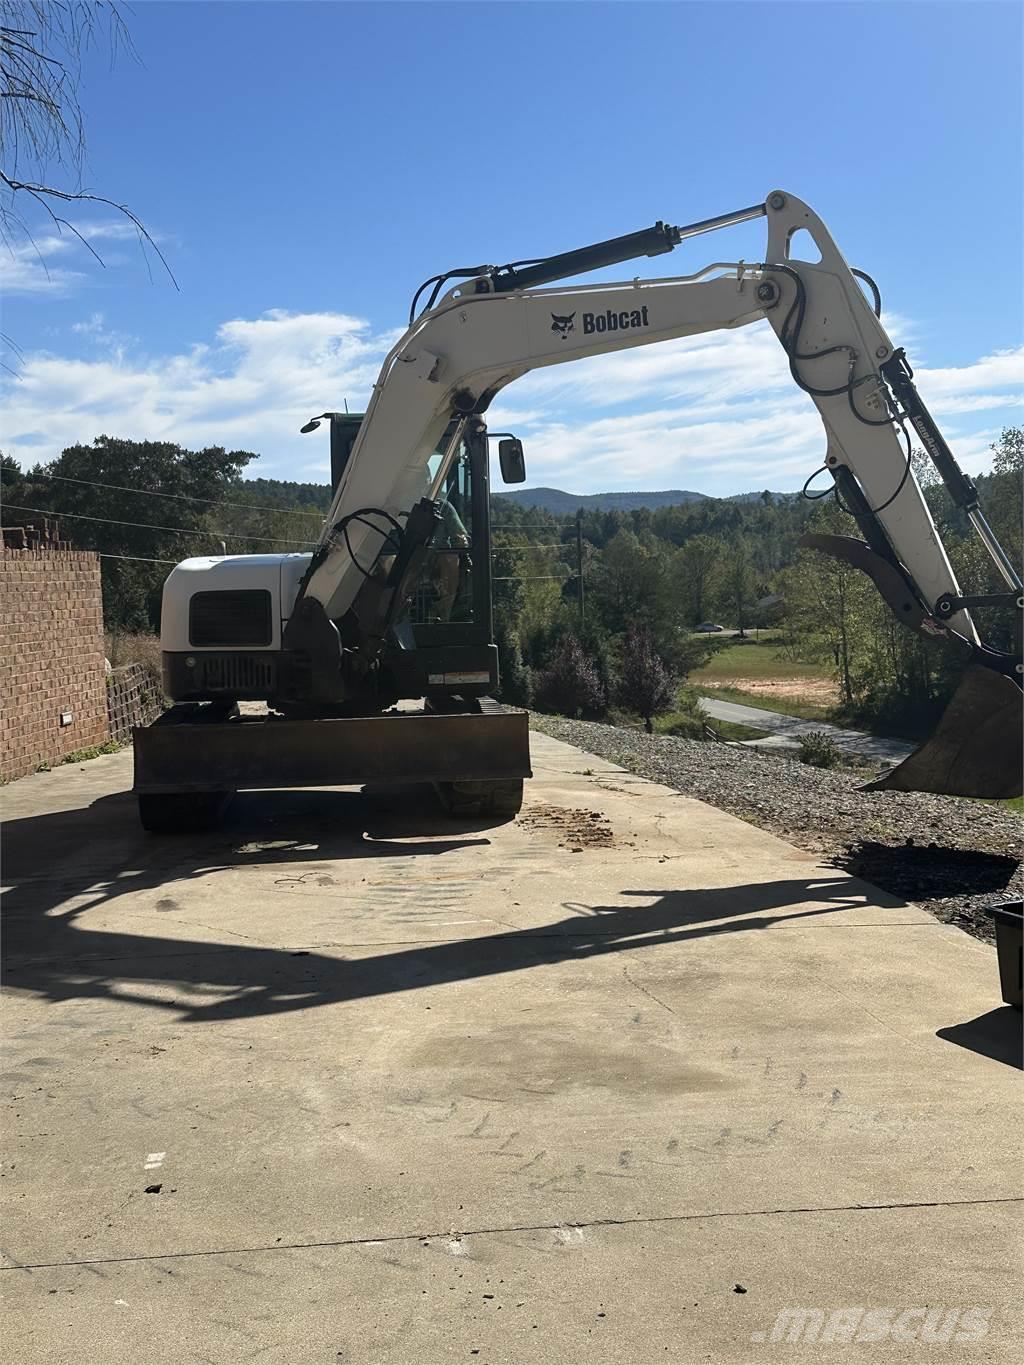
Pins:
x: 51, y: 629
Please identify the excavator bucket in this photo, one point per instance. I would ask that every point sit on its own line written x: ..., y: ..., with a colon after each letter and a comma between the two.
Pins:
x: 976, y: 748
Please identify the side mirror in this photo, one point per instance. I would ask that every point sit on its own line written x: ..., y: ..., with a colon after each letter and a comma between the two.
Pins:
x: 512, y: 460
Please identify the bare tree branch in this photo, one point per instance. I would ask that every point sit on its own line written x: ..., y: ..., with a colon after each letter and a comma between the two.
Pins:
x: 41, y: 122
x: 41, y: 192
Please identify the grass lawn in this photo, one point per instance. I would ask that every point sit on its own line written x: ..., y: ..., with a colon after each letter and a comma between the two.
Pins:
x: 767, y: 701
x: 727, y: 729
x: 689, y: 725
x: 764, y: 660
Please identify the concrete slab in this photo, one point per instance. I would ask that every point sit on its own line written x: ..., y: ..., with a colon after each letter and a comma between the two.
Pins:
x: 790, y: 1287
x: 624, y: 1047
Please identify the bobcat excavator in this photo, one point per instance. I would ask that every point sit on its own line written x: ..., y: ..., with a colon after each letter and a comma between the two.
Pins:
x: 394, y: 603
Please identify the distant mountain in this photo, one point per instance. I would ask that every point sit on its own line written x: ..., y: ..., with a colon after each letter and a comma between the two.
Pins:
x: 287, y: 495
x: 561, y: 504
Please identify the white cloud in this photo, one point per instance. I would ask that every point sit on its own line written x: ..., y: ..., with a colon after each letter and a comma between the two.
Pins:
x: 725, y: 415
x: 93, y: 326
x: 716, y: 413
x: 1001, y: 370
x: 252, y: 389
x: 57, y: 261
x: 29, y: 267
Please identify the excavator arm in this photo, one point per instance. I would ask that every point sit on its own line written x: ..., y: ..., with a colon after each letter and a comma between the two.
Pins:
x: 498, y: 324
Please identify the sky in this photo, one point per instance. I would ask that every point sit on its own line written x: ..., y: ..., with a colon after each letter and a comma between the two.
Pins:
x: 303, y: 166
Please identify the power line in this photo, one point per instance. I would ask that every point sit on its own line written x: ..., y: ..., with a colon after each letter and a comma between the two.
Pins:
x: 140, y: 559
x: 149, y: 526
x: 533, y: 578
x: 176, y: 497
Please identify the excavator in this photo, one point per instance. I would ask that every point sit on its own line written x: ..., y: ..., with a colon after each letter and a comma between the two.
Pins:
x: 374, y: 655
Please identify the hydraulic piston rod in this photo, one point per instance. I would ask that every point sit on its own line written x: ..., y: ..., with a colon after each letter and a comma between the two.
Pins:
x: 652, y: 241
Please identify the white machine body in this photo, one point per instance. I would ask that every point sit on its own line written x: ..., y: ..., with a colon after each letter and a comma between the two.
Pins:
x: 276, y: 575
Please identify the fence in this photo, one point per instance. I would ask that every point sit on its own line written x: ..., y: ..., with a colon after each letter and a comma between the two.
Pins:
x: 133, y: 698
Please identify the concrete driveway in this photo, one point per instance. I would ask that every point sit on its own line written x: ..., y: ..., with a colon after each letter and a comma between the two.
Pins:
x: 626, y: 1080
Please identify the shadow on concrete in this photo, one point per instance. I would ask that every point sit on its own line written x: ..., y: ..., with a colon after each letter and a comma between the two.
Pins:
x: 62, y: 864
x: 341, y: 822
x: 996, y: 1034
x: 238, y: 982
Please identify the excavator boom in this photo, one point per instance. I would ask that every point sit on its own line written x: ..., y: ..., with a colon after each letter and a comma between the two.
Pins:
x: 329, y: 639
x: 500, y: 323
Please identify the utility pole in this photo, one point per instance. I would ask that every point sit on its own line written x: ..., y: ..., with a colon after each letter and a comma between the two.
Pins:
x: 579, y: 564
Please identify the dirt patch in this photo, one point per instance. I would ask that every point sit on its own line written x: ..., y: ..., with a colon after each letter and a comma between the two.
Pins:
x: 819, y: 690
x: 579, y: 829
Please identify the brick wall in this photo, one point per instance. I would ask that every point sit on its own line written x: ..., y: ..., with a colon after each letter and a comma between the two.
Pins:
x: 51, y: 657
x: 133, y: 698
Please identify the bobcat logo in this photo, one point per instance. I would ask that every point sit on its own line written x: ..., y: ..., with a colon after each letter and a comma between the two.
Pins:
x: 563, y: 326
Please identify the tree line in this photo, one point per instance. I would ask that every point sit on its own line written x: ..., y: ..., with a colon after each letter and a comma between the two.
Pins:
x: 649, y: 575
x: 146, y: 505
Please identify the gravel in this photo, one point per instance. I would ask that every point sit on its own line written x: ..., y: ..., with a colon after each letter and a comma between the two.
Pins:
x: 949, y: 855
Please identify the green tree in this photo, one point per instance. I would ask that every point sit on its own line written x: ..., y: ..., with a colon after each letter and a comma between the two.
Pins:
x: 144, y: 505
x: 826, y: 603
x: 1006, y: 511
x: 632, y: 584
x: 1001, y: 492
x: 737, y: 583
x: 516, y: 676
x: 694, y: 569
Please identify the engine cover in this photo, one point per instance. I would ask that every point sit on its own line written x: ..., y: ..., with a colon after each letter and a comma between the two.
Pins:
x: 221, y: 625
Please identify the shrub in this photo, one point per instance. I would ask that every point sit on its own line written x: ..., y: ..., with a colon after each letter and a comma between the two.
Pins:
x: 93, y: 751
x: 682, y: 726
x: 516, y: 686
x: 819, y: 750
x: 136, y: 649
x: 686, y: 720
x: 645, y: 684
x: 570, y: 685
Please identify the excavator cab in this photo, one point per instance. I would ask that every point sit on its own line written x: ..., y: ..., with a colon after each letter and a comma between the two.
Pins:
x: 441, y: 644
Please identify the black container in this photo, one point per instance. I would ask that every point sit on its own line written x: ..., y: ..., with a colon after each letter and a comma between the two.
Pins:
x: 1009, y: 922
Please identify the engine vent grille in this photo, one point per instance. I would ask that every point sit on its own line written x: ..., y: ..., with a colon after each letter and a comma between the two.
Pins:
x: 237, y: 674
x: 230, y: 619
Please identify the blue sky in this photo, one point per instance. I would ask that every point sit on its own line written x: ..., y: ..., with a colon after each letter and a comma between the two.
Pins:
x: 305, y: 166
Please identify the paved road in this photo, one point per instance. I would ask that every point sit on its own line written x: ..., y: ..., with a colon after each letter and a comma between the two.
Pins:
x: 784, y: 732
x: 622, y: 1081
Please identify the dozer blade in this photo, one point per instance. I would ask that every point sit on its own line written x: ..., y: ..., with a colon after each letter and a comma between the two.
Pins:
x: 976, y: 748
